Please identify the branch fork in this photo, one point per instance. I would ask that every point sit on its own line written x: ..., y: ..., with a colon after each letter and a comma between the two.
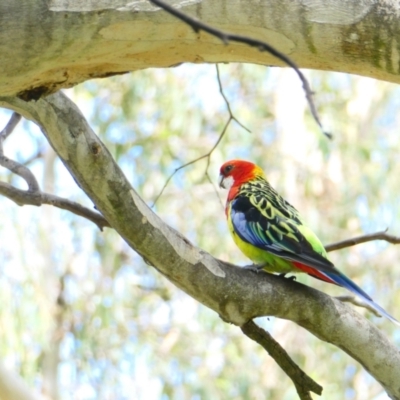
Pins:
x: 34, y: 196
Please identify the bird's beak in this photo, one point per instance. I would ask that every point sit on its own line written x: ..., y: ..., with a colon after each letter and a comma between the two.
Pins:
x: 221, y: 181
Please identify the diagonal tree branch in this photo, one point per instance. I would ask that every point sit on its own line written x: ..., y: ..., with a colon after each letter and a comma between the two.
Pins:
x: 8, y: 129
x: 22, y: 171
x: 262, y: 46
x: 12, y: 165
x: 236, y: 295
x: 303, y: 383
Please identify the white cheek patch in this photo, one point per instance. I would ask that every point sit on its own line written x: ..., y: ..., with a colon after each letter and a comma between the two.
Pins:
x: 228, y: 182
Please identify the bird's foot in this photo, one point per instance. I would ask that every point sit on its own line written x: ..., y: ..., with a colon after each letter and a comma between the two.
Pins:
x: 255, y: 267
x: 289, y: 278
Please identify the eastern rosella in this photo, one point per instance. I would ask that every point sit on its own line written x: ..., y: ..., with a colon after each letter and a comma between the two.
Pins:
x: 271, y: 232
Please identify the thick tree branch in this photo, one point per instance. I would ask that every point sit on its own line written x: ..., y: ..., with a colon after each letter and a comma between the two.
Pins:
x: 303, y: 383
x: 236, y: 295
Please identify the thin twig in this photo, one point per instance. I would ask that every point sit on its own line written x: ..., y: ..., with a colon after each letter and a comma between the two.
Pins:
x: 12, y: 165
x: 303, y: 383
x: 34, y: 196
x: 348, y: 298
x: 215, y: 189
x: 34, y: 157
x: 23, y: 197
x: 208, y: 154
x: 362, y: 239
x: 22, y: 171
x: 228, y: 106
x: 8, y: 129
x: 260, y: 45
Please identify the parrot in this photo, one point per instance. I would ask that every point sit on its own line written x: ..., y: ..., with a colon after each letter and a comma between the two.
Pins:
x: 271, y: 233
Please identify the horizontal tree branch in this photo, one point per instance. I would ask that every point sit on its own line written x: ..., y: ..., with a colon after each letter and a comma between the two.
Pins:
x: 235, y: 294
x: 133, y: 35
x: 363, y: 239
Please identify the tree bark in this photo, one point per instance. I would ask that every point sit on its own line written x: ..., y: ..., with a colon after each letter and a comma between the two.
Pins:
x: 13, y: 387
x: 237, y: 295
x: 51, y: 44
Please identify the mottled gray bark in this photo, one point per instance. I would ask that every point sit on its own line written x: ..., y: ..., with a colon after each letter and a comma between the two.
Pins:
x: 237, y: 295
x: 50, y: 44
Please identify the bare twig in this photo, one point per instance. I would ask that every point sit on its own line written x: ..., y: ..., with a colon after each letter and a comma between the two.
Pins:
x: 303, y: 383
x: 362, y: 239
x: 208, y: 154
x: 12, y: 165
x: 34, y: 196
x: 215, y: 189
x: 8, y: 129
x: 348, y: 298
x: 228, y: 106
x: 33, y: 158
x: 22, y: 197
x: 260, y: 45
x: 22, y: 171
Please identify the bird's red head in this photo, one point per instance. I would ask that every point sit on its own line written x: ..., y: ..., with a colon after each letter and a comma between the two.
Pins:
x: 235, y: 172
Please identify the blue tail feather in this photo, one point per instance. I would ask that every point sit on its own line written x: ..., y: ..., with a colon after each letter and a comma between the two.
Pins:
x: 345, y: 282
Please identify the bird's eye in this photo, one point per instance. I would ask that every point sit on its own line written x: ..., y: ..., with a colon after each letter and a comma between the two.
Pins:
x: 228, y: 169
